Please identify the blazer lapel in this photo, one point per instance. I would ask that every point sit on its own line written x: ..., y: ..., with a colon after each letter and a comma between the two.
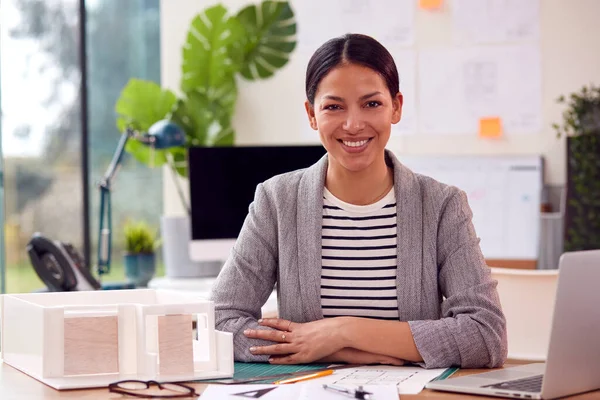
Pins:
x: 309, y: 227
x: 409, y: 214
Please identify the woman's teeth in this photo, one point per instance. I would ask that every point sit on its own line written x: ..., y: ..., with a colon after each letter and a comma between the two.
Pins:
x: 355, y: 144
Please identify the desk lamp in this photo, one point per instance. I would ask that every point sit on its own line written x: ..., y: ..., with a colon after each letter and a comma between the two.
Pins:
x: 162, y: 135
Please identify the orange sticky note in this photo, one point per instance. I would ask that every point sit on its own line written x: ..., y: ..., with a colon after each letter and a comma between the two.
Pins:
x: 430, y: 4
x: 490, y: 127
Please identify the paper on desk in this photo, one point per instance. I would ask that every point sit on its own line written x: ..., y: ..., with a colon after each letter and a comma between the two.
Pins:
x: 315, y: 391
x: 408, y: 380
x: 262, y: 392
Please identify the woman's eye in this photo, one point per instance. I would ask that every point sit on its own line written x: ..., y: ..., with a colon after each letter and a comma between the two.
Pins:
x: 373, y: 104
x: 332, y: 107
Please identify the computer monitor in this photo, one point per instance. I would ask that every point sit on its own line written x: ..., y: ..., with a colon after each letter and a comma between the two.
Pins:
x: 223, y: 182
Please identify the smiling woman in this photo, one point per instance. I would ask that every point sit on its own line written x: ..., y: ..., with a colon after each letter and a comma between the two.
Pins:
x: 373, y: 263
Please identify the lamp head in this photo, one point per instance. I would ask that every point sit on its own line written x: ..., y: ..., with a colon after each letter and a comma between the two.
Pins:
x: 165, y: 134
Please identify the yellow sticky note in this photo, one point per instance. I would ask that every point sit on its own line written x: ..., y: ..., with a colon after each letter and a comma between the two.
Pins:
x: 490, y: 127
x: 430, y: 4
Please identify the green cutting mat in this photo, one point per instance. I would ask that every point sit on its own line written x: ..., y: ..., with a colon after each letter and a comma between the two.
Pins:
x: 242, y: 371
x: 251, y: 370
x: 446, y: 374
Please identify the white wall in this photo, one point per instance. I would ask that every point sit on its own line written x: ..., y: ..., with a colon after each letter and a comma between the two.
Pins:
x: 272, y: 111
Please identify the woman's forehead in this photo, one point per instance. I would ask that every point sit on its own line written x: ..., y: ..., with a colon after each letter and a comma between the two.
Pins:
x: 351, y: 80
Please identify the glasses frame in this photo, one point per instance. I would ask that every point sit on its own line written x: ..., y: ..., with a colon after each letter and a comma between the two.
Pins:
x: 114, y: 388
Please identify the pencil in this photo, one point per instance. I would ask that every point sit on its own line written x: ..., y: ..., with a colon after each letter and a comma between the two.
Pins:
x: 304, y: 377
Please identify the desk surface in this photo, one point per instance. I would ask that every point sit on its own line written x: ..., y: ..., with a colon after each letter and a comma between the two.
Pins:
x: 16, y: 385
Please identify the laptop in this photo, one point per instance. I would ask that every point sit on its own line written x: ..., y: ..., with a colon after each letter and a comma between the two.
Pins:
x: 573, y: 361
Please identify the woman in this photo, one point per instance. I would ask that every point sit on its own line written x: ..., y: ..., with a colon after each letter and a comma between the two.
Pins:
x: 373, y: 263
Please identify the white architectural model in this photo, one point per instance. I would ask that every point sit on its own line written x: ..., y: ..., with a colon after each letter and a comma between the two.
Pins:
x: 87, y: 339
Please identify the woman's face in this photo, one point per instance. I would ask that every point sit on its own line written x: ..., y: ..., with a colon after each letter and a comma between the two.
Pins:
x: 354, y: 112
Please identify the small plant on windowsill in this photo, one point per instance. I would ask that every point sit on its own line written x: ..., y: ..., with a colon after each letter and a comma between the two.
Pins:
x: 141, y: 243
x: 581, y: 126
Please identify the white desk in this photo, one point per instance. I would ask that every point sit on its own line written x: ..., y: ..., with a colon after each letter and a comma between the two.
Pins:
x: 201, y: 287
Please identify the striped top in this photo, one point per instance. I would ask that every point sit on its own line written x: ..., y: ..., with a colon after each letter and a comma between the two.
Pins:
x: 359, y: 262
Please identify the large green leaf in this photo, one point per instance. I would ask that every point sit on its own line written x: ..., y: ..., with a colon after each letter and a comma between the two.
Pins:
x: 201, y: 118
x: 141, y: 104
x: 221, y: 133
x: 271, y: 37
x: 212, y: 53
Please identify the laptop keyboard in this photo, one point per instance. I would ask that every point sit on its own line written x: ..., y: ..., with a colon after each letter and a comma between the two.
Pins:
x: 532, y: 384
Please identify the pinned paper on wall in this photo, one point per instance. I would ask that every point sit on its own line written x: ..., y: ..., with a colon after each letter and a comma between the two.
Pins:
x: 430, y: 4
x: 406, y: 62
x: 500, y: 81
x: 389, y: 21
x: 495, y: 21
x: 490, y: 127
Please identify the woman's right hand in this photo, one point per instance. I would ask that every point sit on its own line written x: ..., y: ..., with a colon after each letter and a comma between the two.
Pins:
x: 354, y: 356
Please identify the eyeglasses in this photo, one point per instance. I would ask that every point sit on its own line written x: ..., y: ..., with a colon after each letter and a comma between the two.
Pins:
x: 134, y: 388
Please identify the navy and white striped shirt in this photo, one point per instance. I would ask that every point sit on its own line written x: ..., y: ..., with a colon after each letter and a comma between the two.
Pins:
x: 359, y: 261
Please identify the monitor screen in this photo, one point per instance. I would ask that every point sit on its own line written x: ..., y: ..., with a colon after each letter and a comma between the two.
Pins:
x: 223, y: 181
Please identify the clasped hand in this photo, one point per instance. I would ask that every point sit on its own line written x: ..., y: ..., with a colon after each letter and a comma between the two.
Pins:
x: 316, y: 341
x: 296, y: 343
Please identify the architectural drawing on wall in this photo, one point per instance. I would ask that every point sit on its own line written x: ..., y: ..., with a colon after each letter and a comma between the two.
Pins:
x: 406, y: 63
x: 478, y: 82
x: 495, y: 21
x: 389, y: 21
x: 504, y: 193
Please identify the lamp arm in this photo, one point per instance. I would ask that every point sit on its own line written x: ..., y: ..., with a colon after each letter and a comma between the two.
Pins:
x: 105, y: 221
x: 113, y: 167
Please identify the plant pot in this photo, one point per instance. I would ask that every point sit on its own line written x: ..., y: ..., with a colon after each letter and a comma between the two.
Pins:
x: 140, y: 268
x: 582, y: 214
x: 176, y: 237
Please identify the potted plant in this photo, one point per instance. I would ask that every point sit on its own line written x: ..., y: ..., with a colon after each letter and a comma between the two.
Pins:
x: 141, y: 243
x: 220, y: 49
x: 581, y: 126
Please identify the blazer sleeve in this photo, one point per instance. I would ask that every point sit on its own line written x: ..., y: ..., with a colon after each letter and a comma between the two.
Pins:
x: 471, y: 332
x: 248, y: 277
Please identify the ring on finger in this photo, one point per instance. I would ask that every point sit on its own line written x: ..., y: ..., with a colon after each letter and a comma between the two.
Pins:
x: 283, y: 337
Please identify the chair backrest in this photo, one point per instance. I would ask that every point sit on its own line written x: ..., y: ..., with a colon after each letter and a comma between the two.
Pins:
x: 527, y: 299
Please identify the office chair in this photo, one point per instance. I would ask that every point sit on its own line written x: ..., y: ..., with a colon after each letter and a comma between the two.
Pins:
x: 527, y: 299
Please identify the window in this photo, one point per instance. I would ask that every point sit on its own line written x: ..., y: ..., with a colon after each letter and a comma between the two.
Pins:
x: 123, y: 42
x: 41, y: 130
x: 41, y: 123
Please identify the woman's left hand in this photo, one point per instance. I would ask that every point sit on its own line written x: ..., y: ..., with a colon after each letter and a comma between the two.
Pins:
x: 297, y: 343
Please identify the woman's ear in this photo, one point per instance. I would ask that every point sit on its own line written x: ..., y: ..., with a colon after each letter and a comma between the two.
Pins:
x: 397, y: 103
x: 310, y: 111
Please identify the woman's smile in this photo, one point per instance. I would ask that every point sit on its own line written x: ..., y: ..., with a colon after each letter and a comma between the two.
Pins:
x: 355, y: 145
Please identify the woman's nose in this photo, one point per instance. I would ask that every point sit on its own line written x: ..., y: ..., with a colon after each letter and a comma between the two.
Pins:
x: 354, y: 122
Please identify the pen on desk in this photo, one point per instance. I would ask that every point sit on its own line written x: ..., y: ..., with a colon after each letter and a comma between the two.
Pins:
x: 304, y: 377
x: 359, y: 393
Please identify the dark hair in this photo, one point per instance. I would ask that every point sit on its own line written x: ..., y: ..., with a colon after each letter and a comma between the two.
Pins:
x: 351, y: 48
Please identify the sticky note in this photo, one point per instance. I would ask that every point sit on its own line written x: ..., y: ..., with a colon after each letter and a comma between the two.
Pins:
x: 430, y: 4
x: 490, y: 127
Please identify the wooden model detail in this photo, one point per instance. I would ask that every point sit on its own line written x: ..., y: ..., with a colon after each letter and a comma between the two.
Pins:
x: 175, y: 348
x: 91, y: 345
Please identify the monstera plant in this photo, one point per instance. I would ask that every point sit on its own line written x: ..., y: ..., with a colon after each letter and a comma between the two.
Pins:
x: 220, y: 49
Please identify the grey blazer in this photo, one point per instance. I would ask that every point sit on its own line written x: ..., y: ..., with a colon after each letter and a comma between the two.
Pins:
x: 445, y: 291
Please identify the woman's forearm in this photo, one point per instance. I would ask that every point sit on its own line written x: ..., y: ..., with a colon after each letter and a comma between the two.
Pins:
x: 390, y: 338
x: 355, y: 356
